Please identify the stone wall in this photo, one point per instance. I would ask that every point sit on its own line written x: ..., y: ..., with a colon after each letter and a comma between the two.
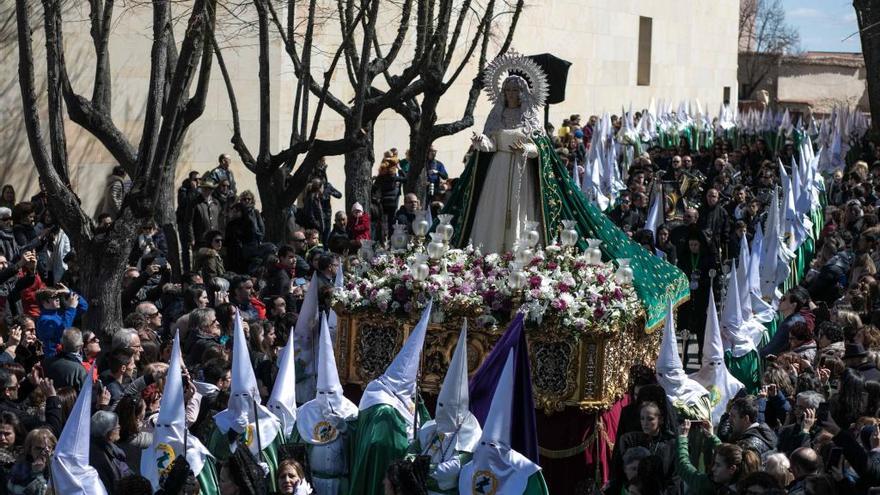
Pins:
x: 693, y: 47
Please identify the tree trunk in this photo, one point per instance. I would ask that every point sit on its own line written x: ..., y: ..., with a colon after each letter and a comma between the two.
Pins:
x: 868, y: 14
x: 421, y: 138
x: 166, y: 219
x: 102, y: 266
x: 271, y: 189
x: 359, y: 168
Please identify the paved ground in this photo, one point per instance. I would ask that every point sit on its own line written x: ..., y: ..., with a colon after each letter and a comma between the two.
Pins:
x: 692, y: 364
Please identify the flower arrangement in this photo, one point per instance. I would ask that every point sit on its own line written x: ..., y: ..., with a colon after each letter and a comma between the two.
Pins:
x: 559, y: 285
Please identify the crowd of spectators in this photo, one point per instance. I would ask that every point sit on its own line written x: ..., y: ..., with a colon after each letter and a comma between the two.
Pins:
x: 812, y: 428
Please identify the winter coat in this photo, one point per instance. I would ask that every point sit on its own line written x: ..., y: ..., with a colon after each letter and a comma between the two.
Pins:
x: 219, y: 175
x: 204, y: 216
x: 52, y: 323
x: 24, y: 481
x: 9, y: 247
x: 109, y: 461
x: 67, y: 370
x: 388, y: 188
x: 806, y: 351
x: 759, y: 438
x: 663, y: 446
x: 865, y: 464
x: 779, y: 343
x: 338, y: 240
x: 208, y: 263
x: 24, y: 234
x: 278, y: 281
x: 359, y: 230
x: 313, y: 214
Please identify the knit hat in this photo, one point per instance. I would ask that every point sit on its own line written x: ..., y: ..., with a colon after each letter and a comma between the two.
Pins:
x: 5, y: 212
x: 357, y: 207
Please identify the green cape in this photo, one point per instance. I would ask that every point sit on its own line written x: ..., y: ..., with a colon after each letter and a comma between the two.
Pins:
x: 379, y: 439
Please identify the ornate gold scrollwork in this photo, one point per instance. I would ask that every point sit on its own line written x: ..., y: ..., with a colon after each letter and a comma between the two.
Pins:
x: 591, y: 372
x: 554, y: 372
x: 376, y: 341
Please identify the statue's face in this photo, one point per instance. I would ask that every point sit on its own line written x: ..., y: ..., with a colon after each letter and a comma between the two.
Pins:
x: 511, y: 95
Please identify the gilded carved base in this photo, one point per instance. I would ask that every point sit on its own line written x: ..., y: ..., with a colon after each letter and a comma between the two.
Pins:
x: 591, y: 372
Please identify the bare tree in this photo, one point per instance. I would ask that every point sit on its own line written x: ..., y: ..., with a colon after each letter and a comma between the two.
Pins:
x: 365, y: 58
x: 169, y: 112
x: 445, y: 35
x: 277, y: 183
x: 765, y: 38
x: 868, y: 14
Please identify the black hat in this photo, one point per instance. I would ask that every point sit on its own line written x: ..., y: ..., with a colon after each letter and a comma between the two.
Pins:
x: 854, y: 350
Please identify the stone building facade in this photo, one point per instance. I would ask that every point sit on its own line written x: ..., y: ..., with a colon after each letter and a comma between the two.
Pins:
x: 622, y: 52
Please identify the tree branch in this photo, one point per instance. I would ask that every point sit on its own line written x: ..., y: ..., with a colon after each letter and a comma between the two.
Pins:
x: 156, y: 89
x: 75, y: 223
x: 333, y: 102
x: 195, y: 107
x: 100, y: 16
x: 237, y: 142
x: 54, y: 54
x: 264, y: 84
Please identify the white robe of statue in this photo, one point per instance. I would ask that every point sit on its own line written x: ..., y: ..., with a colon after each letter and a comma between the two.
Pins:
x: 509, y: 196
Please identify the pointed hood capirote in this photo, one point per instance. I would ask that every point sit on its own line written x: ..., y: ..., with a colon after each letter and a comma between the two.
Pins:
x: 71, y: 472
x: 244, y: 408
x: 508, y: 470
x: 741, y: 335
x: 670, y: 371
x: 305, y: 332
x: 453, y: 421
x: 329, y: 405
x: 713, y: 374
x: 282, y: 401
x: 170, y: 434
x: 397, y: 386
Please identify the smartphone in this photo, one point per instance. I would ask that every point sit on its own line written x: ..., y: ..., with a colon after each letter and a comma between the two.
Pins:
x: 822, y: 413
x: 161, y: 261
x: 834, y: 457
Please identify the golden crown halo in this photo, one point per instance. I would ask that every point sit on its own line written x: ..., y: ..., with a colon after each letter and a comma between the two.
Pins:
x: 513, y: 63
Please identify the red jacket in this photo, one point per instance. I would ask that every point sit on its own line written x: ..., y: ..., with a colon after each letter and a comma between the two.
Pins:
x: 28, y: 296
x: 260, y: 307
x: 359, y: 230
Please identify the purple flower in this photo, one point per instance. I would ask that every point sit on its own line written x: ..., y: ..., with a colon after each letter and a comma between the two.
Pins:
x: 562, y: 287
x: 618, y: 294
x: 599, y: 312
x: 535, y: 281
x: 552, y: 265
x: 401, y: 293
x: 600, y: 278
x: 559, y: 304
x: 456, y: 268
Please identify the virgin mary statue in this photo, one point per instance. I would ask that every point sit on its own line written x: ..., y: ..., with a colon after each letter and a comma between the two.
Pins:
x: 514, y: 176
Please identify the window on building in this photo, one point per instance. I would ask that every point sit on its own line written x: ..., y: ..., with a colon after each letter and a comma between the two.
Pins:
x: 727, y: 95
x: 643, y: 77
